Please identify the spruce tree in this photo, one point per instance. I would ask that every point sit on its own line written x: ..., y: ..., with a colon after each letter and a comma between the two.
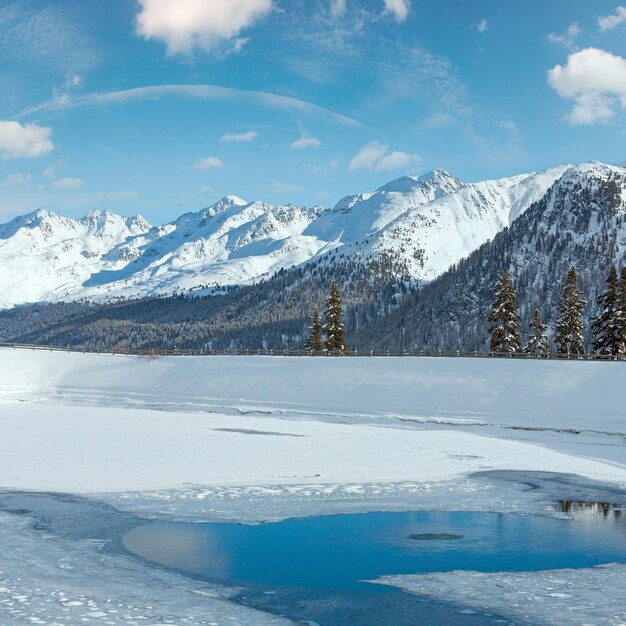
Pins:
x: 621, y: 312
x: 569, y: 325
x: 537, y: 343
x: 334, y: 328
x: 607, y: 327
x: 314, y: 341
x: 505, y: 329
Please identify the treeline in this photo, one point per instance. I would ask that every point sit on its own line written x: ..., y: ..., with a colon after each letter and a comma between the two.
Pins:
x: 608, y: 327
x: 272, y: 314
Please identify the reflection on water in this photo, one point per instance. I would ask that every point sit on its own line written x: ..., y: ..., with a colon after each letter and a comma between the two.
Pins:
x: 579, y: 508
x: 194, y: 548
x: 434, y: 536
x: 336, y: 552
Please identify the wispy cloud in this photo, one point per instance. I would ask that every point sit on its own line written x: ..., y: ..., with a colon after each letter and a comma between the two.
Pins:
x: 566, y: 39
x: 48, y: 35
x: 117, y: 196
x: 391, y: 68
x: 305, y: 142
x: 208, y: 163
x: 483, y: 25
x: 28, y: 141
x: 595, y: 80
x: 337, y: 7
x: 610, y: 22
x: 326, y: 168
x: 280, y: 189
x: 434, y: 121
x: 246, y: 137
x: 199, y: 92
x: 68, y: 184
x: 63, y: 93
x: 17, y: 180
x: 186, y: 25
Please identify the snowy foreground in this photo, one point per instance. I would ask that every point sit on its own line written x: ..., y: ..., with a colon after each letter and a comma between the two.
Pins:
x: 259, y: 438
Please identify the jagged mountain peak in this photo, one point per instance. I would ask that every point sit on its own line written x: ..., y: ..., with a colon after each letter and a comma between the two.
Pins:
x: 426, y: 223
x: 591, y: 169
x: 440, y: 177
x: 227, y: 202
x: 436, y: 179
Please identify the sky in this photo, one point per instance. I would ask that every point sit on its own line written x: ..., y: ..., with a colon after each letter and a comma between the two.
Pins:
x: 160, y: 107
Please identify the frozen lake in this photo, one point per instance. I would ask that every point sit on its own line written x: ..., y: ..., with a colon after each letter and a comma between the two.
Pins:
x: 201, y: 445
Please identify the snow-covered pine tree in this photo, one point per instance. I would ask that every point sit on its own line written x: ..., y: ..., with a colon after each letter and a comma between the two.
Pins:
x: 607, y: 329
x: 314, y: 341
x: 334, y: 328
x: 505, y: 329
x: 537, y: 343
x: 569, y: 325
x: 621, y: 312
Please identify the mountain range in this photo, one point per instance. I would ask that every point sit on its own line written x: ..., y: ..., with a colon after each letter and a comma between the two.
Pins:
x: 426, y: 223
x: 416, y: 261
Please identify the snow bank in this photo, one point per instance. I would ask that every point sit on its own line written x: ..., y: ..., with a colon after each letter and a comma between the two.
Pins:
x: 579, y: 597
x: 555, y: 394
x: 50, y: 580
x: 91, y: 423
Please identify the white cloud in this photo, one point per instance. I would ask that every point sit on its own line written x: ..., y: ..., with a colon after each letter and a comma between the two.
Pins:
x: 482, y: 26
x: 337, y: 7
x: 188, y: 24
x: 205, y: 189
x: 24, y: 142
x: 305, y: 142
x: 208, y: 164
x: 49, y: 171
x: 595, y: 80
x: 368, y: 156
x: 239, y: 137
x: 399, y: 8
x: 568, y: 38
x: 376, y: 156
x: 610, y: 22
x: 68, y: 184
x: 398, y: 161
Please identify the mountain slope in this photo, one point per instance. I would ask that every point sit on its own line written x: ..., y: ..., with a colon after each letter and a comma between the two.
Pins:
x: 580, y: 222
x: 425, y: 223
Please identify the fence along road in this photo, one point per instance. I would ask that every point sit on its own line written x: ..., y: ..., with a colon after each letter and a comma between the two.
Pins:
x: 157, y: 352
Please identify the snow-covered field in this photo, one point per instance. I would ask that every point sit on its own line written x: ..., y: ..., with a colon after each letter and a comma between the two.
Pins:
x: 267, y: 437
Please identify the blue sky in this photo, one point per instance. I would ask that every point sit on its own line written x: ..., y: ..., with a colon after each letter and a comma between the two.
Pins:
x: 164, y: 106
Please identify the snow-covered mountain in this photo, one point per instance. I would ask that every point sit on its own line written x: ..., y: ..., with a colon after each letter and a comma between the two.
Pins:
x: 433, y: 221
x: 428, y: 223
x: 580, y: 222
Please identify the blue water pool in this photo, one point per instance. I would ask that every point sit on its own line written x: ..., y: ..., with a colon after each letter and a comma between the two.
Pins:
x: 339, y: 552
